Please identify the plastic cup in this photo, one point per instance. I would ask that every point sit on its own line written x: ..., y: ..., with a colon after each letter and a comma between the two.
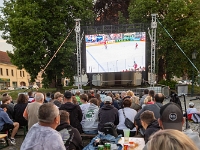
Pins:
x: 126, y: 135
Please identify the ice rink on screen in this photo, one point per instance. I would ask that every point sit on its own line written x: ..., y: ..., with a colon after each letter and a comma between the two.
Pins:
x: 118, y: 57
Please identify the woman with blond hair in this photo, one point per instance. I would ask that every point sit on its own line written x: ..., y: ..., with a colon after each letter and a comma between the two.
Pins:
x: 130, y: 93
x: 135, y: 103
x: 170, y: 139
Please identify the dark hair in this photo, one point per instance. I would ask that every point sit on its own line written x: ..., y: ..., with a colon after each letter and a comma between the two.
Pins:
x: 4, y: 106
x: 48, y: 94
x: 30, y: 93
x: 52, y: 96
x: 126, y: 102
x: 109, y: 94
x: 90, y: 96
x: 94, y: 101
x: 146, y: 91
x: 5, y: 94
x: 159, y: 97
x: 147, y: 116
x: 152, y: 94
x: 175, y: 99
x: 84, y: 97
x: 22, y: 99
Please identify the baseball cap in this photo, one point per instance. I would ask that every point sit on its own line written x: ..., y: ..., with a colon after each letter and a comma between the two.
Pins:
x: 108, y: 99
x: 68, y: 94
x: 171, y: 116
x: 191, y: 104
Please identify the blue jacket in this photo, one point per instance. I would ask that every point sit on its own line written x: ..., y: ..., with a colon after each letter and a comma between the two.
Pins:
x: 4, y: 118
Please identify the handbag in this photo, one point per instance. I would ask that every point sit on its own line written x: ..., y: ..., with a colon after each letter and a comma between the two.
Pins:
x: 128, y: 123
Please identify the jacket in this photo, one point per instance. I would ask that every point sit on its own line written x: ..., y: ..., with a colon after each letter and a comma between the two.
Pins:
x: 107, y: 113
x: 90, y: 119
x: 151, y: 128
x: 153, y: 107
x: 4, y: 118
x: 18, y: 114
x: 75, y: 114
x: 71, y: 136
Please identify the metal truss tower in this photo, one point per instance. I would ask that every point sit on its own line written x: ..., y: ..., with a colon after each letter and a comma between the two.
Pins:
x: 78, y: 52
x: 152, y: 36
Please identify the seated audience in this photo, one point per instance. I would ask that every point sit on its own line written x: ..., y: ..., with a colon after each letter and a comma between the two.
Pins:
x: 58, y: 99
x: 129, y: 113
x: 170, y: 140
x: 22, y: 102
x: 146, y: 93
x: 31, y: 111
x: 149, y: 123
x: 74, y: 111
x: 10, y: 107
x: 43, y: 135
x: 114, y: 102
x: 192, y: 113
x: 107, y: 113
x: 48, y: 97
x: 90, y: 118
x: 71, y: 136
x: 135, y: 103
x: 30, y: 97
x: 6, y: 124
x: 84, y: 102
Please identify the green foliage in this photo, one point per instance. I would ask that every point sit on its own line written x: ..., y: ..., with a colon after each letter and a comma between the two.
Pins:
x: 181, y: 19
x: 170, y: 83
x: 36, y: 29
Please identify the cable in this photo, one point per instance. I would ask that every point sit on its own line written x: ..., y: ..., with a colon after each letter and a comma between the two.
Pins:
x: 178, y: 46
x: 57, y: 51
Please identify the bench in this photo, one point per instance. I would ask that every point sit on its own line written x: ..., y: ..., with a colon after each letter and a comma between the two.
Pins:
x: 86, y: 138
x: 4, y: 136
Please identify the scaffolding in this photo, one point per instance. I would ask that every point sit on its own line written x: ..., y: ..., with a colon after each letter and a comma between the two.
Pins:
x: 152, y: 36
x: 78, y: 52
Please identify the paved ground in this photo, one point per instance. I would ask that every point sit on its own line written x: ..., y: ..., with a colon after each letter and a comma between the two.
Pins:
x: 194, y: 127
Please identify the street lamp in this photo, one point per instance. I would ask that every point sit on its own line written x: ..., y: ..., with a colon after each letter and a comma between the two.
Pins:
x: 194, y: 55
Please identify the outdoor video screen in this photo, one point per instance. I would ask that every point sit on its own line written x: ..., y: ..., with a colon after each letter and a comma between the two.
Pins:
x: 116, y: 52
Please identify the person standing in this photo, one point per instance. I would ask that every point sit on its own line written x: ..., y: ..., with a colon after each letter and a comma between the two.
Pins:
x: 31, y: 111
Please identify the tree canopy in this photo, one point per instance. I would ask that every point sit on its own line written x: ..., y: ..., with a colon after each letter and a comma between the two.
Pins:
x: 37, y: 28
x: 181, y: 19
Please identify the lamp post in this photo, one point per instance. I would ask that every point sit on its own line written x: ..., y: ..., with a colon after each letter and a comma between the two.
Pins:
x: 194, y: 55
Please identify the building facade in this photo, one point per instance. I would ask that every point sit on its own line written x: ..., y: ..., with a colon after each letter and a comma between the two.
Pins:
x: 10, y: 76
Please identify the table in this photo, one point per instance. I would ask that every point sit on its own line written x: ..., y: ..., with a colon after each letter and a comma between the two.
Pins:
x: 140, y: 141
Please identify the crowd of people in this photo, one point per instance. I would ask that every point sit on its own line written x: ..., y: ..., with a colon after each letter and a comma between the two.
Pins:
x: 56, y: 121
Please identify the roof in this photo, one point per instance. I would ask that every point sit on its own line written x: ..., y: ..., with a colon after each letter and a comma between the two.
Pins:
x: 4, y: 58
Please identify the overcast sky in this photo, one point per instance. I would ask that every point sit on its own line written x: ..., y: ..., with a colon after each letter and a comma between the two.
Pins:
x: 3, y: 45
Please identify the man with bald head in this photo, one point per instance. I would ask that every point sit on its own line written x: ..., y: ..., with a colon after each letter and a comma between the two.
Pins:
x: 159, y: 98
x: 42, y: 135
x: 31, y: 111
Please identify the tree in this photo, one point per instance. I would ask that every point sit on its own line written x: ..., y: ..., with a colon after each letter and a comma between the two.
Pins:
x: 181, y: 19
x: 37, y: 28
x: 109, y: 11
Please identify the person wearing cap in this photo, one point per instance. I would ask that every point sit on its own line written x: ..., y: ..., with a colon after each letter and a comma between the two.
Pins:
x: 74, y: 111
x: 171, y: 117
x: 114, y: 102
x: 107, y: 113
x: 193, y: 113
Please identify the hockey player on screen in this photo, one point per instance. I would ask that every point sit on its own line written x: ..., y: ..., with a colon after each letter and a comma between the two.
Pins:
x: 136, y: 45
x: 135, y: 66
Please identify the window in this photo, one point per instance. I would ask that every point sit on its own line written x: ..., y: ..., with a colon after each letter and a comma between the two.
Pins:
x: 7, y: 72
x: 23, y: 74
x: 12, y: 73
x: 1, y: 71
x: 20, y: 73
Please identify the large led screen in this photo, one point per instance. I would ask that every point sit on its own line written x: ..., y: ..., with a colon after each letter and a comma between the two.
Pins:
x: 116, y: 52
